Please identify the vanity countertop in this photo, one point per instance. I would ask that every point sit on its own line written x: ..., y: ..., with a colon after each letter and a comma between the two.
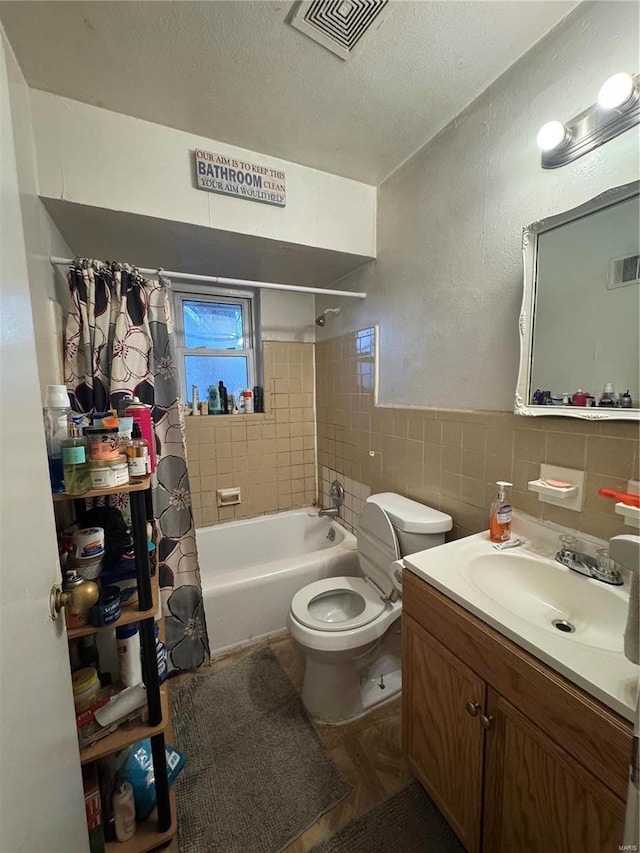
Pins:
x: 522, y: 591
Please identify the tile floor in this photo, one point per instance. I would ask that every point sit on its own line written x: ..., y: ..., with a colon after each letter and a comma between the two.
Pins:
x: 367, y: 751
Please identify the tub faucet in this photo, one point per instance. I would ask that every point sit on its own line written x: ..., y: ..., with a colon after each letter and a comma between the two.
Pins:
x: 589, y: 566
x: 332, y: 512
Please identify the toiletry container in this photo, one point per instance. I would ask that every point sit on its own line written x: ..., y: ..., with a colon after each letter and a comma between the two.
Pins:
x: 104, y: 442
x: 141, y: 415
x: 109, y: 473
x: 214, y: 400
x: 138, y: 455
x: 608, y: 398
x: 77, y: 614
x: 107, y: 610
x: 86, y: 686
x: 224, y: 398
x: 75, y: 469
x: 161, y: 656
x: 500, y: 515
x: 57, y: 414
x: 124, y: 811
x: 128, y: 643
x: 580, y: 398
x: 248, y: 402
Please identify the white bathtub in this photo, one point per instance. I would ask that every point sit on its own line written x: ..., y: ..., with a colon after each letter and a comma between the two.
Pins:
x: 251, y: 570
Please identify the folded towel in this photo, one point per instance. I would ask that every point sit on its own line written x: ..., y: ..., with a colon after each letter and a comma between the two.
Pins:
x: 632, y: 630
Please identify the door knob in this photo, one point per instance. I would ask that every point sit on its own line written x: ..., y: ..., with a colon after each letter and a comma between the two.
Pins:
x: 473, y: 708
x: 486, y: 722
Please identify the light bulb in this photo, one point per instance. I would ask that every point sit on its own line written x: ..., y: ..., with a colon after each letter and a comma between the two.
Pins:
x: 552, y: 135
x: 616, y: 91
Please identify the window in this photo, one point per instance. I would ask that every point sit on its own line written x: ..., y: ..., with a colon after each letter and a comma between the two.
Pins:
x: 215, y: 339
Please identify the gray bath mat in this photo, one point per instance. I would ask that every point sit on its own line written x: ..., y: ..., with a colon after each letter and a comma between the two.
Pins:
x: 256, y: 774
x: 408, y: 822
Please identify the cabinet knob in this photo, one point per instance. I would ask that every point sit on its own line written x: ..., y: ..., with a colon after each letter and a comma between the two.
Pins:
x: 473, y: 708
x: 486, y: 722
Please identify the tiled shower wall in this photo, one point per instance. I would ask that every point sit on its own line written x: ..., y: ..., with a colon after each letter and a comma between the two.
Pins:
x: 451, y: 458
x: 270, y: 456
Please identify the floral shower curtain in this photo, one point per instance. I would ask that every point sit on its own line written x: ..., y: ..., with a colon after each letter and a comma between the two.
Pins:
x: 119, y: 344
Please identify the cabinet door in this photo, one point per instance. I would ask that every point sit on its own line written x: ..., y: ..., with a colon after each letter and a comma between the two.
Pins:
x: 538, y: 799
x: 443, y: 741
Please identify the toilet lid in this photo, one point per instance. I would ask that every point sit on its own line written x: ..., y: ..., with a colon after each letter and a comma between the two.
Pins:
x: 337, y: 604
x: 377, y: 547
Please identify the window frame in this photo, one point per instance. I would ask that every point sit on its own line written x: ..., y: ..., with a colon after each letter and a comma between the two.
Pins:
x: 183, y: 292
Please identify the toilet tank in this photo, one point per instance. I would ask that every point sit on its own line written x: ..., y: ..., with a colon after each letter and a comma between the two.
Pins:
x: 417, y: 526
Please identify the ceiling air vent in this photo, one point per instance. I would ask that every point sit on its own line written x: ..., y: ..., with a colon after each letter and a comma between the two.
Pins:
x: 339, y: 25
x: 624, y: 271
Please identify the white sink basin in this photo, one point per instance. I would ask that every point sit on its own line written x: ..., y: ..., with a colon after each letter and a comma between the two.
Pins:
x: 552, y: 597
x: 526, y: 595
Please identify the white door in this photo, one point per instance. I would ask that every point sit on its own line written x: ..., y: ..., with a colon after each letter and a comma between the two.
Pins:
x: 41, y: 800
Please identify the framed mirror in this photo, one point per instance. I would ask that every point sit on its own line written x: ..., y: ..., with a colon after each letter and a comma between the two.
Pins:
x: 580, y: 318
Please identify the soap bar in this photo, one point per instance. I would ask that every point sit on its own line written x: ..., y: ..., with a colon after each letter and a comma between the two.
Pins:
x: 558, y: 484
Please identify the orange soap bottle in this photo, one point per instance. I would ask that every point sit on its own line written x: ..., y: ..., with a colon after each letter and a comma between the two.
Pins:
x: 500, y: 515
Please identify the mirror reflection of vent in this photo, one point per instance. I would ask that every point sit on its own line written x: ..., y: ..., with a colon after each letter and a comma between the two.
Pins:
x: 339, y: 25
x: 624, y: 271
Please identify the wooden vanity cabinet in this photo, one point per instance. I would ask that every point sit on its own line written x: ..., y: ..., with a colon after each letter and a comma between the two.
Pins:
x: 517, y: 758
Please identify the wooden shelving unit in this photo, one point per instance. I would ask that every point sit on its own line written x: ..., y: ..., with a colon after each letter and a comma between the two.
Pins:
x: 148, y: 835
x: 129, y: 614
x: 125, y: 734
x: 138, y: 486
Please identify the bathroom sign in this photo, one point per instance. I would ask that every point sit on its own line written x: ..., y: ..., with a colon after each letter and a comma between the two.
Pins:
x: 218, y: 173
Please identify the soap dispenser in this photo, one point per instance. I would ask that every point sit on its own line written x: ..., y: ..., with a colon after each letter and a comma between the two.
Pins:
x: 500, y: 515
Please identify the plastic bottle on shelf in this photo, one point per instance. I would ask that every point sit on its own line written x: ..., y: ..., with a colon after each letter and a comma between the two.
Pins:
x: 124, y: 811
x: 141, y: 415
x: 128, y: 643
x: 161, y: 656
x: 57, y: 413
x: 138, y: 455
x: 75, y: 467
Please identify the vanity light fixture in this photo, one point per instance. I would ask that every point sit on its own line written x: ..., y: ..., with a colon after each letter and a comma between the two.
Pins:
x: 552, y: 135
x: 617, y: 91
x: 617, y: 109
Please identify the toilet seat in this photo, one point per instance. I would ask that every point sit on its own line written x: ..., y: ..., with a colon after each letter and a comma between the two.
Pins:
x: 337, y: 604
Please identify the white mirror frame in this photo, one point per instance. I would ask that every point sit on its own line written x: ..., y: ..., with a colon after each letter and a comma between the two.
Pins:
x: 530, y: 257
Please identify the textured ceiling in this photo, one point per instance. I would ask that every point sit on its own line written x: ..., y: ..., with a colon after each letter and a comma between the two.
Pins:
x: 238, y: 73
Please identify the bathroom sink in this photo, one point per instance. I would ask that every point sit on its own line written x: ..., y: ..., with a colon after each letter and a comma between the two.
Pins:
x: 571, y: 622
x: 551, y: 596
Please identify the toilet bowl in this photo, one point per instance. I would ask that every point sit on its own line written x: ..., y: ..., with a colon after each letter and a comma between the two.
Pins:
x: 349, y: 627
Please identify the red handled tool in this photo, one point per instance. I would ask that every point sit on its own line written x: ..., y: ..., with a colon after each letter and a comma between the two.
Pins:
x: 623, y: 497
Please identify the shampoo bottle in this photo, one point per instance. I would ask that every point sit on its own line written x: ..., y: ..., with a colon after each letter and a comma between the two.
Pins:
x: 500, y: 515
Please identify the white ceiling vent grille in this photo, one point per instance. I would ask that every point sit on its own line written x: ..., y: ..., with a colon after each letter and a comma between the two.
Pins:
x: 339, y: 25
x: 624, y: 271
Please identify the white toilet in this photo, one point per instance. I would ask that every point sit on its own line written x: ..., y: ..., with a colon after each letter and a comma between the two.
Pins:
x: 349, y: 626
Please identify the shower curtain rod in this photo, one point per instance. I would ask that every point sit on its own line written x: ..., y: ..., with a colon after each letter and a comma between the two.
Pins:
x: 232, y: 282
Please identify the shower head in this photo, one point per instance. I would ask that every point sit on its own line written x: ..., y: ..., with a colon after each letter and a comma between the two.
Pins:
x: 322, y: 319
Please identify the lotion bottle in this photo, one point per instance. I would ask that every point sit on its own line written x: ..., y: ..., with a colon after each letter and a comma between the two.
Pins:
x: 124, y: 811
x: 500, y: 515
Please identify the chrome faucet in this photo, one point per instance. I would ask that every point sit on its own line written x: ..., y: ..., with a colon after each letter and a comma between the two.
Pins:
x: 586, y: 565
x: 332, y: 512
x: 337, y: 498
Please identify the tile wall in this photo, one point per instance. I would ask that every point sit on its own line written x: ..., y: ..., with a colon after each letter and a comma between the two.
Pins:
x: 270, y: 456
x: 451, y: 458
